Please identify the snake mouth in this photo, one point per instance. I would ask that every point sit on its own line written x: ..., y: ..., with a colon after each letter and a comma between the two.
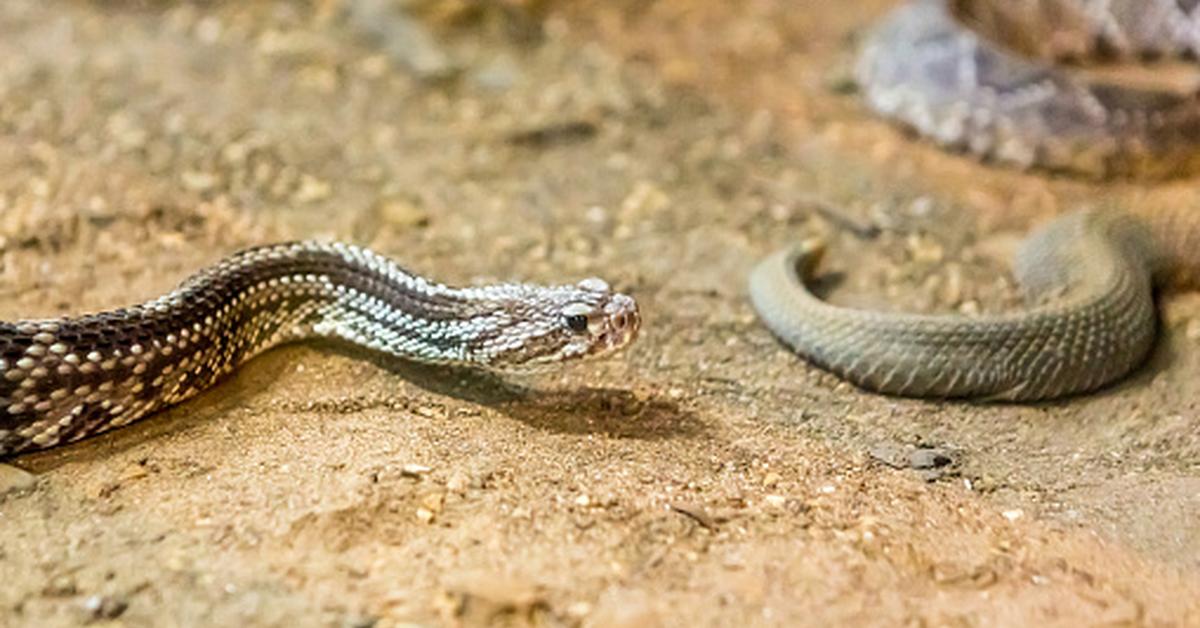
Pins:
x: 623, y: 322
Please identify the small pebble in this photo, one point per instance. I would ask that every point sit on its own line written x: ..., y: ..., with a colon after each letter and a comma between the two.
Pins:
x: 433, y: 502
x: 104, y: 606
x: 925, y: 458
x: 458, y: 483
x: 413, y: 470
x: 14, y: 480
x: 890, y: 454
x: 400, y: 212
x: 312, y: 190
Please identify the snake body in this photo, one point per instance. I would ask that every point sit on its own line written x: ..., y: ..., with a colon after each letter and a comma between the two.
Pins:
x: 995, y: 93
x: 980, y: 76
x: 1088, y: 276
x: 65, y: 379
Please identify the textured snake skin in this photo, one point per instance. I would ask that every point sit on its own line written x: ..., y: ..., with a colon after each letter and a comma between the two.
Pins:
x: 1087, y: 275
x: 923, y: 67
x: 1087, y: 30
x: 63, y: 380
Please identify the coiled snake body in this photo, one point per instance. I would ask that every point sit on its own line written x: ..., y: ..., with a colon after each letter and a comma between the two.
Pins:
x: 62, y: 380
x: 1089, y: 277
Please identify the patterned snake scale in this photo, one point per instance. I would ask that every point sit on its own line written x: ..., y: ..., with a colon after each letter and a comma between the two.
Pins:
x: 1089, y: 279
x: 979, y: 76
x: 66, y: 379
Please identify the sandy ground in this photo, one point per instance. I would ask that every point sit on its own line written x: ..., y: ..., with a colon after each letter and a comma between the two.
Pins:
x: 706, y: 476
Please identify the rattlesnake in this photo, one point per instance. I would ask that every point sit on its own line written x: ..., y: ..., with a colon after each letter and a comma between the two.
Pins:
x: 993, y: 91
x: 65, y: 379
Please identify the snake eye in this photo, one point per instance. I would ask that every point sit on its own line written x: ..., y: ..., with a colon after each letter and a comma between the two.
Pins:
x: 578, y: 323
x: 577, y: 316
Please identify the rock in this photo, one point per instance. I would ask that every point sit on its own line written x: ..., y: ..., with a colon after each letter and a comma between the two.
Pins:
x: 414, y: 470
x: 312, y: 190
x: 15, y: 480
x: 928, y: 458
x: 890, y: 454
x: 929, y: 462
x: 458, y: 482
x: 402, y: 213
x: 105, y: 606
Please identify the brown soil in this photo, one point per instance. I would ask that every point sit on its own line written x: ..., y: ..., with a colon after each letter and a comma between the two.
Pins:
x: 706, y: 476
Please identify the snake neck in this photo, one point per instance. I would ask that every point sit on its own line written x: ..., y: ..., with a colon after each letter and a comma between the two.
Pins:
x: 271, y: 295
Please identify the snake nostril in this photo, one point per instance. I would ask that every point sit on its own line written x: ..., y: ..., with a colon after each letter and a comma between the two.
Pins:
x: 620, y: 321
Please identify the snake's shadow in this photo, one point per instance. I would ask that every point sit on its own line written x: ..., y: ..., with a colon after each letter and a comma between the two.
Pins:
x: 612, y: 412
x: 824, y: 282
x: 588, y: 410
